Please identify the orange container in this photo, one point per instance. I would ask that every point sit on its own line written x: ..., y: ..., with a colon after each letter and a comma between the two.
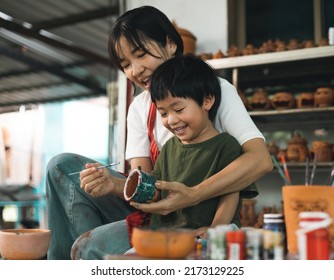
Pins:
x: 298, y: 199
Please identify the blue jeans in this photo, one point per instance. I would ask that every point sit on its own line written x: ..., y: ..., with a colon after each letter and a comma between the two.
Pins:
x: 72, y: 213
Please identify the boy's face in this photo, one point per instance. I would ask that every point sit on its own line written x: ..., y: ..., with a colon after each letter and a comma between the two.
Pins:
x: 186, y: 119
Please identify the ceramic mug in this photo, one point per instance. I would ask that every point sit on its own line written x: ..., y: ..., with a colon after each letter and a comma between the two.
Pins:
x: 140, y: 187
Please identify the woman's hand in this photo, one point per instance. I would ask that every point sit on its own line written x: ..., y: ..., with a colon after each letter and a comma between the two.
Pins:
x: 202, y: 232
x: 96, y: 182
x: 180, y: 196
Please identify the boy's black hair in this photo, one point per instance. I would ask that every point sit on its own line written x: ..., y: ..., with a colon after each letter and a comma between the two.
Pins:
x: 141, y: 25
x: 186, y: 77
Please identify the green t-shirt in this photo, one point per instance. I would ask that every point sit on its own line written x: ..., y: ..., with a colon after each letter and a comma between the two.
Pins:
x: 191, y: 164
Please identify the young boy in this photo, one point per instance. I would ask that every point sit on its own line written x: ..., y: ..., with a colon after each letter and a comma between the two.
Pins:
x: 187, y: 94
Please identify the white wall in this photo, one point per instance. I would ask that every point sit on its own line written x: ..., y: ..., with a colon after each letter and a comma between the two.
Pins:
x: 207, y: 20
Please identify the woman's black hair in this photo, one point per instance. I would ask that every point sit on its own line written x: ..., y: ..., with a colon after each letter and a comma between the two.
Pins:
x: 186, y: 77
x: 139, y: 26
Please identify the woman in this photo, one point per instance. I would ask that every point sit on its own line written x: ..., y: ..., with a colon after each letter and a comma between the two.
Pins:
x: 141, y: 40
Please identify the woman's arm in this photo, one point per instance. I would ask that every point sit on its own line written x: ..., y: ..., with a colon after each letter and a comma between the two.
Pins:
x: 246, y: 169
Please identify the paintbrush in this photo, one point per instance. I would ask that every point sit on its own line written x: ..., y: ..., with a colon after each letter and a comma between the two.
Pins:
x: 307, y: 171
x: 99, y: 167
x: 280, y: 170
x: 313, y: 169
x: 285, y: 167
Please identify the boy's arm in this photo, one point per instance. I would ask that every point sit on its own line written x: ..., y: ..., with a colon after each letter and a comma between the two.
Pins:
x: 227, y: 206
x: 225, y: 212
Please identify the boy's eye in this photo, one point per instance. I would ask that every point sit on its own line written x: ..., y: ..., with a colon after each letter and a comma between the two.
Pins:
x: 179, y: 110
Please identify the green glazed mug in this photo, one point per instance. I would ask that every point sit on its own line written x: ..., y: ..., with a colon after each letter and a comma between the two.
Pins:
x: 140, y: 187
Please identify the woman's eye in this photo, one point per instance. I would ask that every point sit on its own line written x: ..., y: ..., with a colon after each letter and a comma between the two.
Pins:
x: 141, y: 54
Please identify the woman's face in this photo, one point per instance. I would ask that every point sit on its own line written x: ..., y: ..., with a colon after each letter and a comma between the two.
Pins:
x: 139, y: 65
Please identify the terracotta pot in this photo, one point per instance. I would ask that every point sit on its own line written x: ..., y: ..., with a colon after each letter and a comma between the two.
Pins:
x: 323, y: 150
x: 283, y: 100
x: 323, y: 97
x: 188, y: 38
x: 260, y: 100
x: 297, y: 149
x: 24, y: 244
x: 140, y: 187
x: 305, y: 100
x: 301, y: 198
x: 163, y: 243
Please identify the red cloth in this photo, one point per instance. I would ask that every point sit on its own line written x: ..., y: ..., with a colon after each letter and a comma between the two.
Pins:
x: 154, y: 151
x: 140, y: 218
x: 137, y: 219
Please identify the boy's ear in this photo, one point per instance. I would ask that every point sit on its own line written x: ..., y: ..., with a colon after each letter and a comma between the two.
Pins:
x: 208, y: 102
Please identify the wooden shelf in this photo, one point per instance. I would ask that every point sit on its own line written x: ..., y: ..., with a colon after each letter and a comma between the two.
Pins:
x: 269, y: 58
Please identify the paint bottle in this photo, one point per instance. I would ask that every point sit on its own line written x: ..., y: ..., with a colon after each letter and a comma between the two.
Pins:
x: 313, y: 236
x: 235, y: 245
x: 274, y: 237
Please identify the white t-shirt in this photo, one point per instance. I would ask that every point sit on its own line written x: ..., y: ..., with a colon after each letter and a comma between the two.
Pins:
x: 232, y: 117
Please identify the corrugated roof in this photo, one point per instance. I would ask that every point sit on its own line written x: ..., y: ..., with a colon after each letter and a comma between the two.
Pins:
x: 54, y: 50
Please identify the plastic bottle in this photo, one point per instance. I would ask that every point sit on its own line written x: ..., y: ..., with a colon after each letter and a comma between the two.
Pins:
x: 313, y: 236
x: 235, y: 244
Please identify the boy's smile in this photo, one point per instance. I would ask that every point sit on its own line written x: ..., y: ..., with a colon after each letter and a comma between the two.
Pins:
x: 186, y: 119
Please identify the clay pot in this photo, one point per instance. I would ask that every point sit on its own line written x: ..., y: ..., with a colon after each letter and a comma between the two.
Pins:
x: 260, y: 100
x: 293, y: 44
x: 140, y: 187
x: 206, y: 56
x: 308, y: 44
x: 188, y: 38
x: 24, y: 244
x: 218, y: 54
x: 323, y: 42
x: 323, y: 97
x: 297, y: 149
x: 249, y: 50
x: 233, y: 51
x: 273, y: 149
x: 283, y: 100
x: 305, y: 100
x: 163, y: 243
x: 323, y: 150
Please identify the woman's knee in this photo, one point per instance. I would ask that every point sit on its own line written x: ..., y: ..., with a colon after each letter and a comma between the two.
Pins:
x: 111, y: 238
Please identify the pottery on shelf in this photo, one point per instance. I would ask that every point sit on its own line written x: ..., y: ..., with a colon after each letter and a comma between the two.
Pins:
x: 188, y: 38
x: 297, y: 149
x: 323, y: 97
x: 260, y: 100
x: 283, y: 100
x: 249, y: 50
x: 305, y: 100
x: 218, y: 54
x: 323, y: 150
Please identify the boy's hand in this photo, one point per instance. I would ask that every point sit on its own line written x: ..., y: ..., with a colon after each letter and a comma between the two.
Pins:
x: 96, y: 182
